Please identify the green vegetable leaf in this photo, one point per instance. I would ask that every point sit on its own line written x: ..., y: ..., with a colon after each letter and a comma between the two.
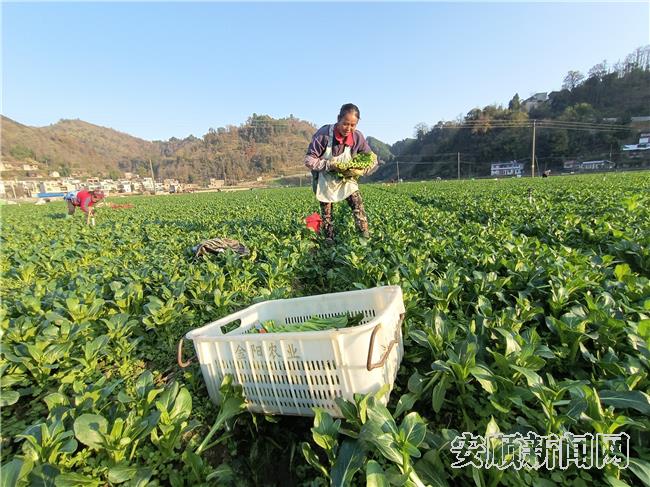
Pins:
x: 349, y: 460
x: 413, y: 430
x: 75, y: 480
x: 637, y: 400
x: 438, y: 394
x: 7, y: 398
x: 485, y: 377
x: 375, y: 476
x: 14, y: 471
x: 312, y: 459
x: 121, y: 473
x: 90, y: 429
x: 405, y: 403
x: 640, y: 468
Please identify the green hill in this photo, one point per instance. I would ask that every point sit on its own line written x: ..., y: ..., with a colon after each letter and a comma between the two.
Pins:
x: 72, y: 146
x: 262, y: 145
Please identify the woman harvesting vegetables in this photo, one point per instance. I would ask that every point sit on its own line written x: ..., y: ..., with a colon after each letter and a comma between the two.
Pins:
x: 337, y: 156
x: 84, y: 200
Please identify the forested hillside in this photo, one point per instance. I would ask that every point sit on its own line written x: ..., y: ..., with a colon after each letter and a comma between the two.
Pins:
x: 572, y: 125
x: 261, y: 145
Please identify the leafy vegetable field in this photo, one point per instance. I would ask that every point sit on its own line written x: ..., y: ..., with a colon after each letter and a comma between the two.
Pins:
x: 527, y: 311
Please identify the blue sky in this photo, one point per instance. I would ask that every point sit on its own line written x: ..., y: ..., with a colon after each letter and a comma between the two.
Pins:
x: 158, y: 70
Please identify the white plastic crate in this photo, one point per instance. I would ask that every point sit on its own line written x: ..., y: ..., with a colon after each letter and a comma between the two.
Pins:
x: 289, y: 373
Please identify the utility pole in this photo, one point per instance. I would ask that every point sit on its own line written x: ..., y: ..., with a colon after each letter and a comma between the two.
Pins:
x: 458, y: 165
x: 152, y: 177
x: 532, y: 157
x: 397, y: 171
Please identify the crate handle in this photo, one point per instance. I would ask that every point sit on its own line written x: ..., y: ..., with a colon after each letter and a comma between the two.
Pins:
x: 393, y: 342
x: 181, y: 363
x: 229, y: 319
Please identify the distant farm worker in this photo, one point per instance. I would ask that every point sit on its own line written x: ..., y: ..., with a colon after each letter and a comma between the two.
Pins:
x: 332, y: 157
x: 84, y: 200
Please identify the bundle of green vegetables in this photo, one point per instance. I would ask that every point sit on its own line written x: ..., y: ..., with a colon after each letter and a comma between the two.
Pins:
x: 360, y: 161
x: 312, y: 324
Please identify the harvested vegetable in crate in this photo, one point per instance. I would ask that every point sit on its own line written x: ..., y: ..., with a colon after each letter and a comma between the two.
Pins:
x: 314, y: 323
x: 352, y: 343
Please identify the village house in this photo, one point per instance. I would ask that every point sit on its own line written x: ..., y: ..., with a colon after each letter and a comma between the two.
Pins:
x: 50, y: 187
x: 642, y: 145
x: 534, y: 101
x: 587, y: 165
x: 4, y: 166
x: 124, y: 186
x: 512, y: 168
x: 216, y: 183
x: 148, y: 184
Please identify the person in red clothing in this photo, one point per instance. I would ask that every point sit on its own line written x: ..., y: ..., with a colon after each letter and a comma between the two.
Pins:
x: 84, y: 200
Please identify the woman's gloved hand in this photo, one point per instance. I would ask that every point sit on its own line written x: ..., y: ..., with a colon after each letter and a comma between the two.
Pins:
x: 353, y: 173
x: 332, y: 167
